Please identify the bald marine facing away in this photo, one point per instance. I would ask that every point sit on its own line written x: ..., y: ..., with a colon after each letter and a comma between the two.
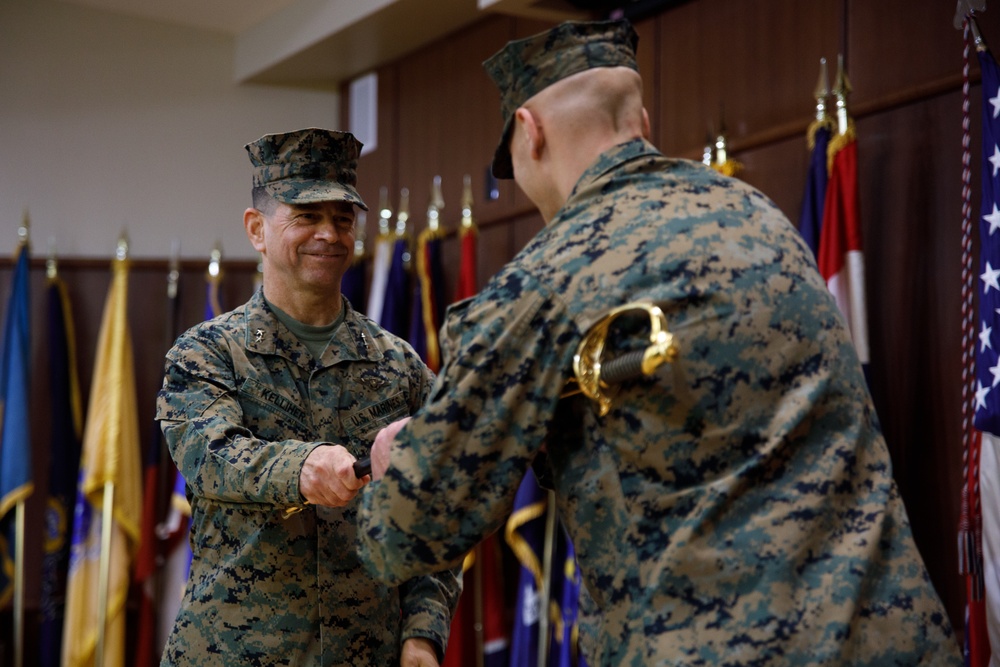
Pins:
x: 736, y: 506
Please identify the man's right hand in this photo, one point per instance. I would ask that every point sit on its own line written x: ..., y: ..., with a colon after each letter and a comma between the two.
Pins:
x: 327, y: 477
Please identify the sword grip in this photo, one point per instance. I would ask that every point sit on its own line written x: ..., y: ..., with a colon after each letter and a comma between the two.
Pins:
x: 362, y: 467
x: 622, y: 368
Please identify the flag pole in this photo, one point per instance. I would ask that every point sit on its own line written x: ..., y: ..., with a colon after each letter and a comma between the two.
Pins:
x: 19, y: 583
x: 105, y: 572
x: 543, y: 600
x: 104, y: 577
x: 24, y: 239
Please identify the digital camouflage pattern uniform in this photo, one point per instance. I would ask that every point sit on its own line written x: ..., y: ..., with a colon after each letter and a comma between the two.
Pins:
x: 737, y: 507
x: 243, y: 404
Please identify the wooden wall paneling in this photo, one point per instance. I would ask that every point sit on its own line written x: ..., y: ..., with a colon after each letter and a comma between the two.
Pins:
x: 753, y: 64
x: 778, y: 170
x: 910, y: 198
x: 649, y: 69
x: 378, y: 168
x: 897, y: 46
x: 449, y: 122
x: 88, y: 282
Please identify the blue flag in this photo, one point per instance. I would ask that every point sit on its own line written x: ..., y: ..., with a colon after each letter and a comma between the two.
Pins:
x: 395, y: 308
x: 811, y: 219
x: 15, y: 436
x: 987, y: 406
x: 526, y: 536
x: 352, y: 286
x: 64, y: 461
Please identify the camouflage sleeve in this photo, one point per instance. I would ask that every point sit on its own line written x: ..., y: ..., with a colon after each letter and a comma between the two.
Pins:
x: 202, y: 422
x: 457, y: 465
x: 428, y: 605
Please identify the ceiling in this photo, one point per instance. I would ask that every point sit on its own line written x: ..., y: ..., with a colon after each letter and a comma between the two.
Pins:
x: 228, y: 16
x: 324, y: 43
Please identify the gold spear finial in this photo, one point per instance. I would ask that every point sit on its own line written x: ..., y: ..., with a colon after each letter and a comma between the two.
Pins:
x: 174, y: 268
x: 708, y: 154
x: 384, y: 212
x: 467, y: 222
x: 822, y: 92
x: 121, y: 249
x: 403, y: 214
x: 52, y: 264
x: 24, y: 231
x: 215, y: 261
x: 435, y: 205
x: 841, y: 89
x: 359, y: 234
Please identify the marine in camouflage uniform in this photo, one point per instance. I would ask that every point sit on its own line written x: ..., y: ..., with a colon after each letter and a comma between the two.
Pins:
x: 275, y: 581
x: 737, y: 506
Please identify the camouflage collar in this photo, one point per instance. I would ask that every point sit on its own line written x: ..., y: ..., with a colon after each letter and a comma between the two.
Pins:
x: 265, y: 334
x: 608, y: 160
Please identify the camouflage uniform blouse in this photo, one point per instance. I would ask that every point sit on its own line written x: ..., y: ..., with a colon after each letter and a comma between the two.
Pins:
x: 242, y: 405
x: 737, y: 508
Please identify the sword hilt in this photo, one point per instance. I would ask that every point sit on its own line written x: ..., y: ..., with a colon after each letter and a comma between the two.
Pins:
x: 599, y: 380
x: 362, y: 467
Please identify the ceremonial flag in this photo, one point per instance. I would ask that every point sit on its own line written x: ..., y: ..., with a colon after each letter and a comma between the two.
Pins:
x: 352, y: 285
x: 841, y: 260
x: 467, y: 270
x: 979, y: 539
x: 159, y: 472
x: 525, y: 533
x: 564, y: 650
x: 64, y: 461
x: 381, y: 260
x: 110, y: 461
x: 811, y: 218
x: 15, y: 442
x: 395, y: 309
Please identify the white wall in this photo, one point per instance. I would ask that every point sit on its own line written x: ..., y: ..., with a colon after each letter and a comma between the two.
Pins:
x: 109, y: 123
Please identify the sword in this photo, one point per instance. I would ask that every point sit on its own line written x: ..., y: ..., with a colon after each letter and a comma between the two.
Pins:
x: 599, y: 379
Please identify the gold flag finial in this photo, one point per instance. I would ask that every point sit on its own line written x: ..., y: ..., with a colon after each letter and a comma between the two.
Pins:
x: 822, y: 92
x: 435, y: 205
x: 384, y: 212
x: 359, y: 234
x: 467, y: 221
x: 24, y: 231
x: 52, y: 264
x: 403, y: 214
x: 121, y: 249
x: 708, y: 154
x: 841, y: 89
x: 174, y: 268
x: 215, y: 261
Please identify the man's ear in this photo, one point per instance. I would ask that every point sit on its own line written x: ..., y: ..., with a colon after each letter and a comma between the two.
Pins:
x: 533, y: 131
x: 253, y: 223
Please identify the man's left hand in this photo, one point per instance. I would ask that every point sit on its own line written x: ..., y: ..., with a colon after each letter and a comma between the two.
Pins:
x: 419, y: 652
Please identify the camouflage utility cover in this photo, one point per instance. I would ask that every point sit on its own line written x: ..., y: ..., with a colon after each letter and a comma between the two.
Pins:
x: 242, y: 405
x: 525, y: 67
x: 737, y: 507
x: 307, y: 166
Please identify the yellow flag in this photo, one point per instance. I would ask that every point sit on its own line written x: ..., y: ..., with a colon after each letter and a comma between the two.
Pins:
x: 111, y: 454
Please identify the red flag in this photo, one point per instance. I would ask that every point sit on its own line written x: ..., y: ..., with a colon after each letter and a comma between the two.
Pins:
x: 482, y: 602
x: 841, y: 259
